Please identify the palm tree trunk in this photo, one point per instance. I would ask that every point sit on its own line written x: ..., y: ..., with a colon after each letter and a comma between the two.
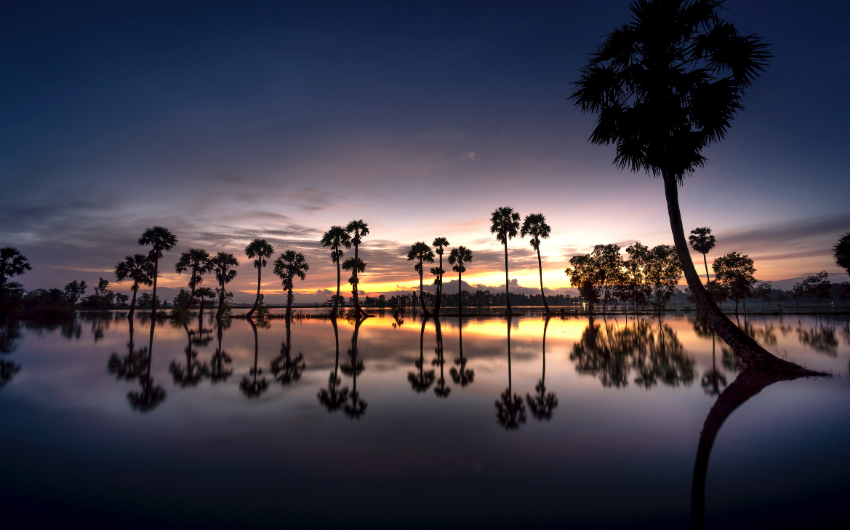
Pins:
x: 459, y: 291
x: 257, y: 301
x: 220, y: 301
x: 133, y: 302
x: 422, y: 292
x: 439, y: 289
x: 507, y: 291
x: 747, y: 349
x: 336, y: 299
x: 540, y: 267
x: 357, y: 310
x: 289, y: 301
x: 155, y: 274
x: 705, y: 262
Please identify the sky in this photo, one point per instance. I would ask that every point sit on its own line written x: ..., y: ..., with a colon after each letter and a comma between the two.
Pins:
x: 226, y: 122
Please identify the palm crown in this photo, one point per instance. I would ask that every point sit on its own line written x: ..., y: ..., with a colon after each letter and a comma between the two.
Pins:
x: 439, y: 244
x: 259, y: 250
x: 137, y: 268
x: 701, y: 240
x: 535, y: 226
x: 159, y: 239
x: 458, y: 257
x: 357, y: 229
x: 420, y: 251
x: 196, y: 260
x: 504, y: 222
x: 221, y: 266
x: 336, y: 238
x: 291, y: 265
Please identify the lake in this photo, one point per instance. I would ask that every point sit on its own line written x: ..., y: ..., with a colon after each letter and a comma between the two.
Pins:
x: 405, y: 423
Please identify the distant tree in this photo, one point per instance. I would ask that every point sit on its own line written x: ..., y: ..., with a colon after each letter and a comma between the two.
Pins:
x: 607, y: 267
x: 663, y: 272
x: 222, y: 265
x: 258, y: 250
x: 534, y: 225
x: 421, y: 252
x: 735, y: 271
x: 763, y: 292
x: 584, y: 275
x: 160, y: 240
x: 718, y: 292
x: 841, y: 252
x: 287, y: 267
x: 196, y: 261
x: 336, y: 238
x: 843, y: 291
x: 12, y: 263
x: 634, y: 284
x: 817, y: 286
x: 702, y: 241
x: 459, y: 257
x: 440, y: 243
x: 75, y: 290
x: 137, y: 268
x: 357, y: 230
x: 504, y: 222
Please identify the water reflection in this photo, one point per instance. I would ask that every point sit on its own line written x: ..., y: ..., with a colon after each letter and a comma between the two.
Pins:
x: 333, y: 397
x: 543, y: 403
x: 252, y: 385
x: 422, y: 380
x: 510, y: 408
x: 354, y: 406
x: 461, y: 375
x: 220, y: 368
x: 285, y: 368
x: 10, y: 335
x: 194, y: 371
x: 150, y: 395
x: 441, y: 390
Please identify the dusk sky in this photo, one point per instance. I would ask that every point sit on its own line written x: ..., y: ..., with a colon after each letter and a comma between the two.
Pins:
x: 230, y: 121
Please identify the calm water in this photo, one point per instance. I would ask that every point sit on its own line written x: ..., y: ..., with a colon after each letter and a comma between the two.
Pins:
x: 238, y: 426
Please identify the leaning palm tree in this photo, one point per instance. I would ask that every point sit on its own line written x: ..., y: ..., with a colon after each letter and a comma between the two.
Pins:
x: 504, y: 222
x: 160, y: 239
x: 287, y: 267
x: 458, y: 257
x: 535, y: 226
x: 137, y: 268
x: 198, y: 261
x: 440, y: 243
x: 665, y: 86
x: 357, y: 229
x: 422, y: 253
x: 336, y: 238
x: 841, y: 252
x: 258, y: 250
x: 12, y: 263
x: 222, y: 264
x: 702, y: 241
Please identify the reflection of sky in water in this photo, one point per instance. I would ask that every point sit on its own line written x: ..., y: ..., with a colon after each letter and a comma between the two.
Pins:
x: 207, y: 455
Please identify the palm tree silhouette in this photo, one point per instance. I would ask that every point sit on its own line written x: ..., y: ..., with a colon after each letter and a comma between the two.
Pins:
x: 219, y: 364
x: 510, y: 409
x: 702, y: 241
x: 221, y: 265
x: 336, y: 238
x: 421, y: 252
x: 198, y: 261
x: 12, y: 263
x: 252, y: 385
x: 535, y: 226
x: 665, y: 86
x: 139, y: 269
x: 542, y: 404
x: 334, y: 397
x: 355, y: 407
x: 355, y: 265
x: 357, y: 229
x: 841, y: 252
x: 441, y: 390
x: 287, y: 267
x: 195, y: 371
x: 439, y: 245
x: 461, y: 375
x: 286, y: 369
x: 422, y: 381
x: 504, y: 222
x: 258, y: 250
x: 458, y: 258
x: 160, y: 239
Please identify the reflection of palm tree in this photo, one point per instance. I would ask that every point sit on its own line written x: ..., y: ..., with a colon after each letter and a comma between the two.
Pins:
x: 421, y: 252
x: 746, y: 385
x: 197, y: 261
x: 220, y: 368
x: 510, y: 409
x: 336, y: 238
x: 461, y: 375
x: 441, y: 390
x: 354, y: 407
x: 160, y: 239
x: 334, y: 398
x: 504, y: 223
x: 458, y: 258
x: 423, y: 380
x: 535, y: 226
x: 258, y: 250
x: 254, y: 385
x: 9, y: 335
x: 286, y: 369
x: 542, y: 404
x: 137, y: 268
x: 713, y: 380
x: 194, y: 371
x: 150, y: 395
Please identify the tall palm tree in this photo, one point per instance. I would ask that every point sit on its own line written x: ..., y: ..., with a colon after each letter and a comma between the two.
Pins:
x: 420, y: 251
x: 222, y: 265
x: 336, y: 238
x: 535, y: 226
x: 160, y: 239
x: 357, y: 229
x: 258, y: 250
x: 665, y: 86
x: 198, y: 261
x: 458, y: 258
x: 12, y: 263
x: 702, y: 241
x: 137, y: 268
x: 841, y: 252
x: 288, y: 266
x: 504, y: 222
x: 440, y: 243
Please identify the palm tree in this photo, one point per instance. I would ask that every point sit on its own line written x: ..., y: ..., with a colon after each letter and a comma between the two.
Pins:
x: 422, y: 252
x: 137, y: 268
x: 504, y: 222
x: 198, y: 261
x: 542, y: 404
x: 222, y: 265
x: 160, y: 239
x: 357, y: 229
x: 702, y: 241
x: 535, y: 226
x: 439, y: 245
x: 665, y: 86
x: 258, y: 250
x: 336, y: 238
x: 458, y: 257
x: 355, y: 265
x: 204, y: 294
x: 12, y: 263
x: 461, y: 375
x: 841, y: 252
x: 288, y: 266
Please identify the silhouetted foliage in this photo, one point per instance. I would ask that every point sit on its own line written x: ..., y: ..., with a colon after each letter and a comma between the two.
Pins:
x: 333, y: 398
x: 197, y: 262
x: 252, y: 385
x: 222, y: 265
x: 12, y: 263
x: 841, y: 252
x: 336, y: 239
x: 422, y: 253
x: 735, y: 271
x: 287, y: 267
x: 137, y: 268
x: 510, y: 408
x: 160, y: 239
x: 258, y: 250
x: 702, y: 241
x: 459, y: 257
